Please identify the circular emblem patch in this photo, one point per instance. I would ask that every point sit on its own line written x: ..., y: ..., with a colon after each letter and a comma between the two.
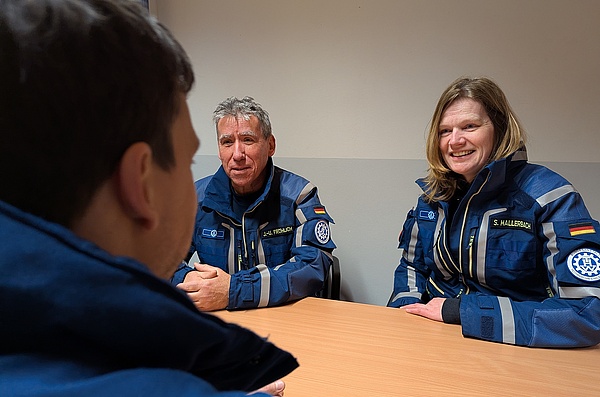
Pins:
x: 322, y: 232
x: 431, y: 215
x: 585, y: 264
x: 213, y: 233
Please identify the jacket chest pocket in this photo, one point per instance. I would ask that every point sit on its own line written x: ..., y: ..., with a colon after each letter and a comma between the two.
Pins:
x: 214, y: 252
x: 277, y: 250
x: 513, y: 252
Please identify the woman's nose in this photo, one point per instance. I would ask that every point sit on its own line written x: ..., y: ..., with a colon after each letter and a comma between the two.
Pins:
x: 456, y: 137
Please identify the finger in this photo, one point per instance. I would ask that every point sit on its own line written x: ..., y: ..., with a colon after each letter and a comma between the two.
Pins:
x: 274, y: 389
x: 202, y: 266
x: 206, y: 274
x: 188, y: 287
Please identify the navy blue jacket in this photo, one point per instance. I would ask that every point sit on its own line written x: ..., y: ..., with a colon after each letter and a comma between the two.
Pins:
x: 76, y: 321
x: 278, y: 251
x: 521, y: 252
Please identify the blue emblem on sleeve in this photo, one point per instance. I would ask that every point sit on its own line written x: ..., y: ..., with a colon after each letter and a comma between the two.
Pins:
x: 427, y: 215
x: 585, y: 264
x: 322, y: 232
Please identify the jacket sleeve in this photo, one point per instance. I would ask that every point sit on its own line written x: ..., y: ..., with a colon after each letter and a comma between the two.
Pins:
x: 411, y: 274
x: 570, y: 316
x: 303, y: 274
x: 184, y: 268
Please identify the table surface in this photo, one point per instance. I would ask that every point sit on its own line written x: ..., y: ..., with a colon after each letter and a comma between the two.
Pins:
x: 352, y: 349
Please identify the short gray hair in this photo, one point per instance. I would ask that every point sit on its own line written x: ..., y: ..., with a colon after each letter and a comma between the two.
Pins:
x: 243, y: 108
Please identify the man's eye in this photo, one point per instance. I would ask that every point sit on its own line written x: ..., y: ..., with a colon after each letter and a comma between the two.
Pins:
x: 226, y: 143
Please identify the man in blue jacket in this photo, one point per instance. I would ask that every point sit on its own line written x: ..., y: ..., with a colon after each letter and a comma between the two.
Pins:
x: 262, y: 235
x: 96, y: 212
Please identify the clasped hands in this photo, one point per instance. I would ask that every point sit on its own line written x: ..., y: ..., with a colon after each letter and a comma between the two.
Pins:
x: 207, y: 286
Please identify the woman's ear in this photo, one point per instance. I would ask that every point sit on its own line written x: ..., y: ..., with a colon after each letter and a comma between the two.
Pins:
x: 135, y: 185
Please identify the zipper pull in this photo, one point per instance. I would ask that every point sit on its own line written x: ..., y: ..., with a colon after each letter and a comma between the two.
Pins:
x: 239, y: 255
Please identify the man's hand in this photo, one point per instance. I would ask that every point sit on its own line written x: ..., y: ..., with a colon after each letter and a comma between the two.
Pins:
x: 207, y: 287
x: 274, y: 389
x: 431, y: 310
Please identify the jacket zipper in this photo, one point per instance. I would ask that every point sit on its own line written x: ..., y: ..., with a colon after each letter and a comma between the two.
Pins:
x: 471, y: 237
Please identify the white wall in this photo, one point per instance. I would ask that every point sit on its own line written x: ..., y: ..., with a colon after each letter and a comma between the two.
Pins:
x: 350, y: 86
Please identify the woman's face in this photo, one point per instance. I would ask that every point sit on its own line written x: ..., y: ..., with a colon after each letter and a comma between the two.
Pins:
x: 466, y: 136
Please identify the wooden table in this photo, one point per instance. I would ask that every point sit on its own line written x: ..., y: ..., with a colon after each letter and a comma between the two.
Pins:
x: 350, y: 349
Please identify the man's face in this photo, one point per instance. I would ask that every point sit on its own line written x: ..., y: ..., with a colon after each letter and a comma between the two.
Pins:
x: 244, y: 152
x: 177, y: 197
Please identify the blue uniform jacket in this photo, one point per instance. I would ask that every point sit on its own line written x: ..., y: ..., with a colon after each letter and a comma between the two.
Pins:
x: 76, y: 321
x: 521, y: 252
x: 279, y: 251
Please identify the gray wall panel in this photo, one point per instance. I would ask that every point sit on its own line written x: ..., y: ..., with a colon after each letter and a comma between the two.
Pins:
x: 369, y: 199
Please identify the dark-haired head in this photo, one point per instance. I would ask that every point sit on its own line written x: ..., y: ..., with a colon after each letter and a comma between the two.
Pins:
x: 82, y: 80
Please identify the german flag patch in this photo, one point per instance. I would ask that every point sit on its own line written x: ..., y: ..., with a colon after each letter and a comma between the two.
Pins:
x: 581, y: 228
x: 319, y: 210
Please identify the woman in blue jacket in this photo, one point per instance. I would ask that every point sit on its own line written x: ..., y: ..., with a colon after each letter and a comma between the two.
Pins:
x: 505, y: 248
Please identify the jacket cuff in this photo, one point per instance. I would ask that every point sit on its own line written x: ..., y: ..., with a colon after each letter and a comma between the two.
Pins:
x: 180, y: 273
x: 451, y: 311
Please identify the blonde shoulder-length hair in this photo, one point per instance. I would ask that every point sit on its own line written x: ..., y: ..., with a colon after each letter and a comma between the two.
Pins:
x: 509, y: 136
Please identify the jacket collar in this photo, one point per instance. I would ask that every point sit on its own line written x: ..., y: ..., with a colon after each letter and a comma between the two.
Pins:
x: 498, y: 170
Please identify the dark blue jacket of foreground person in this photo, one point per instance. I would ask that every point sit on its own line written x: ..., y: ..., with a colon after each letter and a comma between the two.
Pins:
x: 76, y: 321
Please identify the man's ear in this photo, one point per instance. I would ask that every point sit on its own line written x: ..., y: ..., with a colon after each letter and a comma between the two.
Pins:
x: 271, y: 145
x: 135, y: 185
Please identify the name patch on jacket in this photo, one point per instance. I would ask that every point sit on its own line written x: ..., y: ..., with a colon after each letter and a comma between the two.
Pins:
x: 278, y: 231
x: 511, y: 223
x: 213, y: 233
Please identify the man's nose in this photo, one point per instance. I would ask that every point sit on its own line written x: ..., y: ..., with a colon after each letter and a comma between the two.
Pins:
x: 238, y: 151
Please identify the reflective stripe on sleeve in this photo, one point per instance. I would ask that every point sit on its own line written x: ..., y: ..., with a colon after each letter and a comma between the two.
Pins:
x: 550, y: 234
x: 300, y: 216
x: 265, y: 285
x: 406, y: 294
x: 578, y: 292
x: 305, y: 191
x: 554, y: 195
x: 508, y: 320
